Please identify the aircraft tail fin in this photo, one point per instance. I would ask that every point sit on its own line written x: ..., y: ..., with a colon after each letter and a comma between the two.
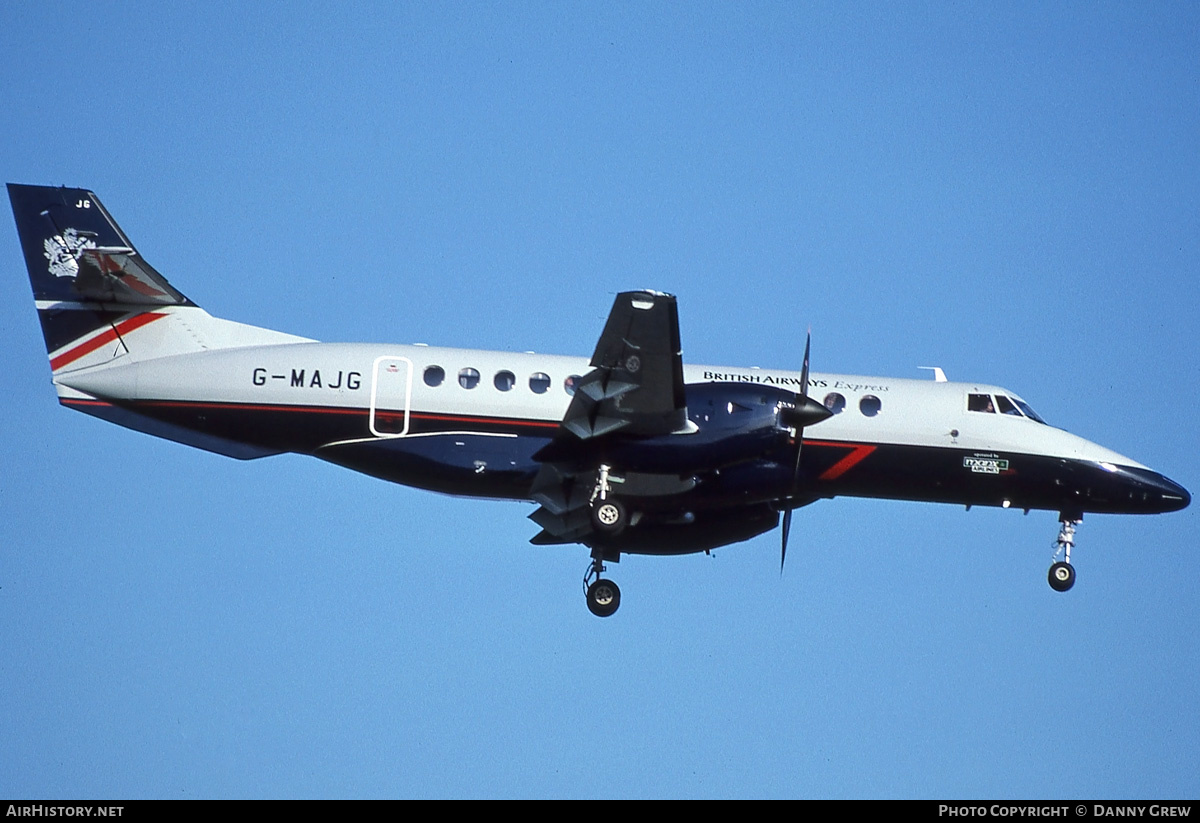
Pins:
x: 90, y: 284
x: 99, y: 302
x: 101, y: 306
x: 75, y: 251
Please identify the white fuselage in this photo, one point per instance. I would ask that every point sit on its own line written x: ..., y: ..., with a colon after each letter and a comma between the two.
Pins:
x: 393, y: 377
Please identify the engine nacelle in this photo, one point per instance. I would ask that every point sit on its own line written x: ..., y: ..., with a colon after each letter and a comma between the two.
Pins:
x: 699, y: 533
x: 733, y: 423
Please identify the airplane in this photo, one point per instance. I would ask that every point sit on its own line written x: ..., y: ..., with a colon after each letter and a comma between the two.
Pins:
x: 630, y: 452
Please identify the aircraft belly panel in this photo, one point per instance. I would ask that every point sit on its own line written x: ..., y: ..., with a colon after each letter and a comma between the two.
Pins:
x: 476, y: 465
x: 158, y: 428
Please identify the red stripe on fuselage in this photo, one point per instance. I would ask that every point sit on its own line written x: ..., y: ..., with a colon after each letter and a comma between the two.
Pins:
x: 184, y: 404
x: 858, y: 453
x: 201, y: 404
x: 124, y: 327
x: 547, y: 424
x: 75, y: 401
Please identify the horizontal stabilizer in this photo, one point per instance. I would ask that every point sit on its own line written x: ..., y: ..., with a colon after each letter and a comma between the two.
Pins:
x: 120, y: 276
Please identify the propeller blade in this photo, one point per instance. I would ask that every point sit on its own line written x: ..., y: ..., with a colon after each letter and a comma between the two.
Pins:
x: 787, y: 514
x: 804, y: 371
x: 807, y: 412
x: 787, y: 528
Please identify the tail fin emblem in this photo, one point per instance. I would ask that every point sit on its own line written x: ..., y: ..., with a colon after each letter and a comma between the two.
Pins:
x: 63, y: 250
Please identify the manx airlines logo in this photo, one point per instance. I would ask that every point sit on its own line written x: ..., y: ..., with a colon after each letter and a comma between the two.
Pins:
x: 985, y: 464
x: 62, y: 250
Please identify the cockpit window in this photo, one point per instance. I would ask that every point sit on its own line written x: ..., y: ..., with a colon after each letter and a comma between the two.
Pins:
x: 1006, y: 406
x: 1030, y: 413
x: 980, y: 403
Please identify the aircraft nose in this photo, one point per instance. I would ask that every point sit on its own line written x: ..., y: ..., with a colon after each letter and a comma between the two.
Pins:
x: 1174, y: 496
x: 1135, y: 490
x: 1159, y: 492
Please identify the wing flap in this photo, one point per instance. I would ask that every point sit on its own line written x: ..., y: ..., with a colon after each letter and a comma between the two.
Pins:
x: 559, y: 491
x: 565, y: 528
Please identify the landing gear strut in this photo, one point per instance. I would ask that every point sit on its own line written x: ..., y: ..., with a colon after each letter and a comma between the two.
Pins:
x: 608, y: 513
x: 603, y: 596
x: 1062, y: 573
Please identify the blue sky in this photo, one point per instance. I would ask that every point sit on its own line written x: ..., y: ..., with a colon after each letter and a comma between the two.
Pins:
x: 1011, y: 193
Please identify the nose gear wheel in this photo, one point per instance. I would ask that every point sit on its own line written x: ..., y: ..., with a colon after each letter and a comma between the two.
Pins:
x: 603, y: 595
x: 1062, y: 576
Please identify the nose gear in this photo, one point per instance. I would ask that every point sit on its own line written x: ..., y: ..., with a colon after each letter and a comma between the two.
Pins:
x: 603, y: 596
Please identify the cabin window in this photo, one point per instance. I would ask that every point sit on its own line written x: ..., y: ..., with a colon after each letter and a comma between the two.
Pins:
x: 870, y: 405
x: 569, y: 384
x: 835, y: 402
x: 539, y: 382
x: 504, y: 380
x: 434, y: 375
x: 1006, y: 406
x: 468, y: 378
x: 980, y: 403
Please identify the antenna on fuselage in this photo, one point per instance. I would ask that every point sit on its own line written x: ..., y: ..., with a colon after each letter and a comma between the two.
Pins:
x: 939, y: 376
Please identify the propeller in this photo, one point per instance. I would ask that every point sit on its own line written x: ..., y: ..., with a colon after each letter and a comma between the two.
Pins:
x: 807, y: 412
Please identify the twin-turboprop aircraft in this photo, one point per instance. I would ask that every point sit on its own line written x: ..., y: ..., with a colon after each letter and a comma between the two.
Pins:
x: 632, y: 452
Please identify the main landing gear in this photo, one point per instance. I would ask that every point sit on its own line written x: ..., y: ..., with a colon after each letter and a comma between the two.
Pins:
x: 610, y: 517
x: 608, y: 513
x: 1062, y: 573
x: 603, y: 596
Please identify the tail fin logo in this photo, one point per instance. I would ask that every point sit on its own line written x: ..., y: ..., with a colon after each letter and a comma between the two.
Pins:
x: 63, y: 250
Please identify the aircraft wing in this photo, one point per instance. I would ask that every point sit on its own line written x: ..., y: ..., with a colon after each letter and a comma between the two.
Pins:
x: 636, y: 383
x: 635, y: 389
